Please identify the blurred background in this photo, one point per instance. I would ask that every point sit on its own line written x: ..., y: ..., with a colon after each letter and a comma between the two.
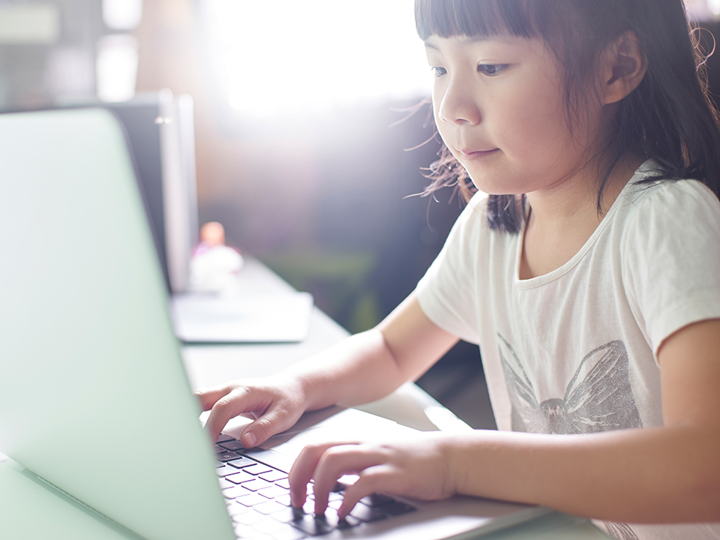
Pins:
x: 312, y: 130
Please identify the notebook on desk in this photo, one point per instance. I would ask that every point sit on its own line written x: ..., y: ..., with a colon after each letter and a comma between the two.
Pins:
x: 250, y: 318
x: 94, y: 399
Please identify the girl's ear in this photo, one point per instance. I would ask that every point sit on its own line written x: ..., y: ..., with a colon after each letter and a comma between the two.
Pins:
x: 622, y: 68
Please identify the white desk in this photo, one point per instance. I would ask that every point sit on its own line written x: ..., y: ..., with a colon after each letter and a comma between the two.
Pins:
x: 29, y: 510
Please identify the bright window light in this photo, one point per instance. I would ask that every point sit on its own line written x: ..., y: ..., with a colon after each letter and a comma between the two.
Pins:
x: 280, y: 57
x: 116, y: 67
x: 122, y: 14
x: 703, y: 10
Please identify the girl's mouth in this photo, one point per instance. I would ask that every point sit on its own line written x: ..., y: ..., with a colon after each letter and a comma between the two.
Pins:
x: 472, y: 155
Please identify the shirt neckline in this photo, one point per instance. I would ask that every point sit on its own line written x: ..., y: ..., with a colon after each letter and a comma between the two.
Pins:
x: 538, y: 281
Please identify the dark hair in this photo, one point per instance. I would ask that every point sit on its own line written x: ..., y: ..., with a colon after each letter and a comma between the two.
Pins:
x: 669, y: 117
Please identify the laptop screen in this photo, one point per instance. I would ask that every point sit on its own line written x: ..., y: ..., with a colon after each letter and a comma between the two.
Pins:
x: 93, y: 391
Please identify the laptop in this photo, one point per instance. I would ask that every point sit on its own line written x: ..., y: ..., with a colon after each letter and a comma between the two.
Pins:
x: 94, y: 399
x: 244, y: 318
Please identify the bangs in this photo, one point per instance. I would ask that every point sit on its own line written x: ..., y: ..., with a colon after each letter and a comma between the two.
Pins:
x: 478, y: 18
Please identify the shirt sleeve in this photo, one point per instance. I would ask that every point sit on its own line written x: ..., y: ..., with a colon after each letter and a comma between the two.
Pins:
x: 448, y: 292
x: 671, y: 254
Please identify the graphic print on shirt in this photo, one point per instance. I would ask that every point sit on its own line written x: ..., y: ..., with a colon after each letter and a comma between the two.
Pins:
x: 602, y: 401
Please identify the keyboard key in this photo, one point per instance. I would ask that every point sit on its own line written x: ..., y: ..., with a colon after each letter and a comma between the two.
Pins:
x: 273, y: 491
x: 364, y: 513
x: 311, y: 525
x: 224, y: 438
x: 225, y: 470
x: 268, y: 507
x: 397, y: 508
x: 268, y: 526
x: 232, y: 445
x: 273, y: 476
x: 284, y: 483
x: 250, y: 499
x: 241, y: 462
x: 339, y: 487
x: 288, y: 533
x: 255, y: 485
x: 240, y: 477
x: 244, y: 531
x: 234, y: 508
x: 286, y: 515
x: 248, y: 518
x: 376, y: 499
x: 233, y: 492
x: 331, y: 518
x: 257, y: 469
x: 347, y: 522
x: 225, y: 455
x: 284, y: 499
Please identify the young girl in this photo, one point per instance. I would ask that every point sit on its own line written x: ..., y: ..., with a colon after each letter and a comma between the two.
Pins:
x: 590, y: 278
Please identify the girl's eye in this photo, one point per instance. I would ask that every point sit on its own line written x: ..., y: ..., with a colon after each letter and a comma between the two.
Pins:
x: 438, y: 71
x: 491, y: 69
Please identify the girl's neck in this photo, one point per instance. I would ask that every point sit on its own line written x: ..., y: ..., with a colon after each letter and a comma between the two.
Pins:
x: 563, y: 217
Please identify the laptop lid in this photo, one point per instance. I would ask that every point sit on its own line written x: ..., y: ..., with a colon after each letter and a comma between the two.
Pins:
x: 93, y: 395
x: 160, y: 134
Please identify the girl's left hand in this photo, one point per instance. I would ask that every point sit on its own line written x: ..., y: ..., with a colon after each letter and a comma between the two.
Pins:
x: 417, y: 467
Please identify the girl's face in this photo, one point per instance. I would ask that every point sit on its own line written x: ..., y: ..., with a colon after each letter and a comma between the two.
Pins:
x: 499, y: 106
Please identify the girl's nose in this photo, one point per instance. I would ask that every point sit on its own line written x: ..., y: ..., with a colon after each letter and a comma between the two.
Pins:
x: 458, y: 105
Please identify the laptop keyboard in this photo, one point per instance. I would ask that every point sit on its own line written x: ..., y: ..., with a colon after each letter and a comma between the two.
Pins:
x: 258, y: 501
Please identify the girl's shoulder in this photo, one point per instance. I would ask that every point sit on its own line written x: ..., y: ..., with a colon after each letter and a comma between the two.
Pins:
x: 655, y: 213
x: 649, y: 192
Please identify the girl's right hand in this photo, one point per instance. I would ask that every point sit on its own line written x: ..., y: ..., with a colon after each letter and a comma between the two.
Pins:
x: 275, y: 403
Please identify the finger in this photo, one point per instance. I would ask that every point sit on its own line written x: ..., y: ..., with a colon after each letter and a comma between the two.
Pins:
x: 237, y: 402
x: 275, y: 420
x: 371, y: 480
x: 336, y: 462
x: 209, y: 396
x: 303, y: 469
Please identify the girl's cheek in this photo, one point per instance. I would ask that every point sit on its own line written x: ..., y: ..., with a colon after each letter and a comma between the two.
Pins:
x: 443, y: 137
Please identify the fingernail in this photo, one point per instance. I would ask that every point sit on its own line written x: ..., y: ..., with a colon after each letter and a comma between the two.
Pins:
x: 250, y: 440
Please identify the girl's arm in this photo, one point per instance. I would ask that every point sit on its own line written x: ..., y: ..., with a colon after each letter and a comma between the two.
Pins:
x: 362, y: 368
x: 664, y: 474
x: 660, y: 475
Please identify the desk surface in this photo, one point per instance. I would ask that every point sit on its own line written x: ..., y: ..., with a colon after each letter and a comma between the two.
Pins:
x: 29, y: 510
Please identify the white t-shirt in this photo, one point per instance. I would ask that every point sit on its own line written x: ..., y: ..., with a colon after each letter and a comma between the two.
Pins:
x: 573, y: 351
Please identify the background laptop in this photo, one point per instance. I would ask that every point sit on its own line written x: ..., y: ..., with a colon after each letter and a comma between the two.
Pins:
x: 160, y: 132
x: 93, y: 396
